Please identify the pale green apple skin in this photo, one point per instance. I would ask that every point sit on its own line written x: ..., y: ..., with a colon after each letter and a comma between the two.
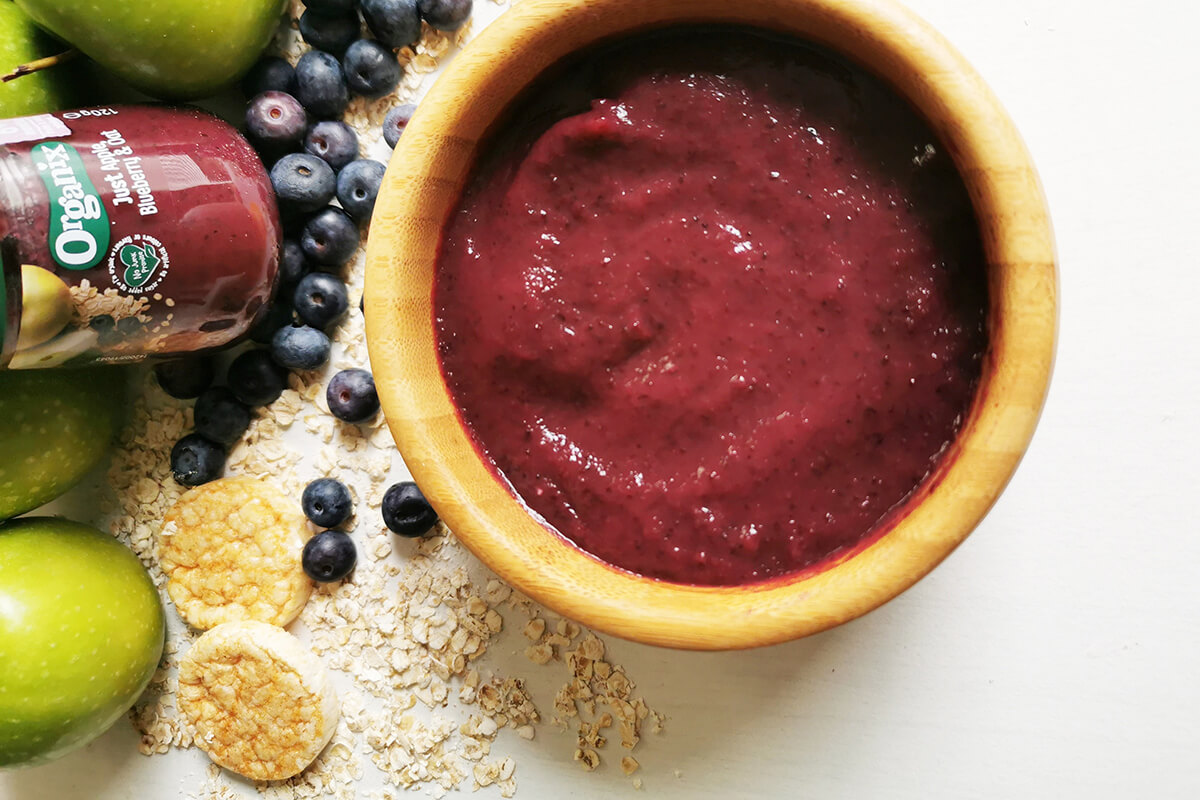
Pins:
x: 20, y: 43
x: 170, y: 49
x: 55, y: 426
x: 81, y: 634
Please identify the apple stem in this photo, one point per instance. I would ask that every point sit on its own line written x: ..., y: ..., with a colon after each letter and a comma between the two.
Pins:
x: 39, y: 65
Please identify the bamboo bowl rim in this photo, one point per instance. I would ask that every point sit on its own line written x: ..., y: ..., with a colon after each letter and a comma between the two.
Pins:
x: 423, y: 182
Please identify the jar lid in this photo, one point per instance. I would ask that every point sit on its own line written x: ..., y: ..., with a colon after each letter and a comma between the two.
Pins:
x: 10, y: 298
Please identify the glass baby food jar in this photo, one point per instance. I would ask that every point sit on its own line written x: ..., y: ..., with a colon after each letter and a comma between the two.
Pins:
x: 128, y: 232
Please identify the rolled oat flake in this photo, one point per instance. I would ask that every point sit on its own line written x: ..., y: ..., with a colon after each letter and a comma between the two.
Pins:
x: 128, y: 232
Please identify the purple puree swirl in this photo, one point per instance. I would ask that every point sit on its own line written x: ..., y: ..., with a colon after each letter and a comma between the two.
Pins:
x: 713, y: 303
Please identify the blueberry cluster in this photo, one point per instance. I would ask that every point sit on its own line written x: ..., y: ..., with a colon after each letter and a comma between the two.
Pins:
x: 220, y: 417
x: 292, y: 118
x: 222, y: 412
x: 342, y: 63
x: 330, y: 555
x: 112, y: 331
x: 256, y: 377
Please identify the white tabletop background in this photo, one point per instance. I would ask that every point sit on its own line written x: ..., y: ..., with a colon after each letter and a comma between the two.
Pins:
x: 1056, y: 654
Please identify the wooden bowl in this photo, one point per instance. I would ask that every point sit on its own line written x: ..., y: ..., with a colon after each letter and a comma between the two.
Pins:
x: 423, y: 184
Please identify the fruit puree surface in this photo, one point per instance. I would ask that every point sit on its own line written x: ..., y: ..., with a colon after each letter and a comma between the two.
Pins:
x: 713, y: 303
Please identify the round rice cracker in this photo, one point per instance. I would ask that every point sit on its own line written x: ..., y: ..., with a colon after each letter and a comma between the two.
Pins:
x: 231, y: 550
x: 259, y: 702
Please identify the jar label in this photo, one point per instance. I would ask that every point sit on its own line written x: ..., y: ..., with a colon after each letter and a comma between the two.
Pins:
x: 30, y: 129
x: 79, y: 230
x: 155, y: 228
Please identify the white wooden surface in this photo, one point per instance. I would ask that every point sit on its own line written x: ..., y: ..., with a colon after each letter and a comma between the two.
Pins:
x: 1057, y: 653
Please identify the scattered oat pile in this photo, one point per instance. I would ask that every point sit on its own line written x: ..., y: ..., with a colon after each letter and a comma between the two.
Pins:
x: 407, y: 634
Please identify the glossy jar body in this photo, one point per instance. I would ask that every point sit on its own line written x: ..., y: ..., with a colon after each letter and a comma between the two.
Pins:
x: 128, y: 232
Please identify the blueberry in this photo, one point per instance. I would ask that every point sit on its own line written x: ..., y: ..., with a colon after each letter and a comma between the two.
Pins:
x: 329, y: 556
x: 370, y: 68
x: 330, y: 237
x: 303, y: 182
x: 300, y: 347
x: 358, y: 186
x: 406, y: 511
x: 395, y: 122
x: 196, y: 460
x: 185, y: 378
x: 276, y: 120
x: 445, y: 15
x: 332, y: 33
x: 129, y: 326
x: 220, y: 416
x: 351, y: 395
x: 334, y: 142
x: 255, y: 379
x: 270, y: 74
x: 275, y: 317
x: 395, y: 23
x: 320, y: 299
x: 292, y: 265
x: 327, y: 502
x: 106, y: 327
x: 102, y: 323
x: 330, y: 6
x: 320, y: 85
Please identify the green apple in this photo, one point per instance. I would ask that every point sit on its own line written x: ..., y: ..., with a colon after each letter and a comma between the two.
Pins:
x: 81, y: 633
x: 55, y: 426
x: 172, y: 49
x: 22, y: 42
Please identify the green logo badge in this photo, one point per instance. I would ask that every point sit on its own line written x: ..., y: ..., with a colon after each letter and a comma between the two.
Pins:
x: 141, y: 262
x: 78, y: 222
x: 138, y: 263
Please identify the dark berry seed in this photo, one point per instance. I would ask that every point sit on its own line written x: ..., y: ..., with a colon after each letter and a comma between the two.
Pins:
x: 370, y: 68
x: 406, y: 511
x: 330, y: 238
x: 220, y: 416
x: 320, y: 85
x: 320, y: 299
x: 332, y: 33
x: 329, y: 556
x: 351, y: 395
x: 276, y: 120
x: 327, y: 502
x: 303, y: 182
x: 358, y: 187
x: 196, y: 460
x: 300, y: 347
x: 269, y: 74
x: 256, y: 379
x: 395, y: 23
x: 395, y: 122
x: 185, y: 378
x: 445, y: 15
x: 334, y: 142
